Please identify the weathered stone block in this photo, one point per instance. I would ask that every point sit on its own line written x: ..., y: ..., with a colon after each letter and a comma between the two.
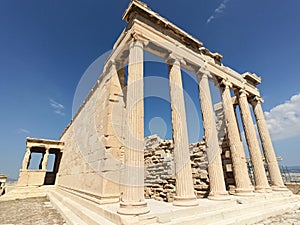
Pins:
x: 229, y: 168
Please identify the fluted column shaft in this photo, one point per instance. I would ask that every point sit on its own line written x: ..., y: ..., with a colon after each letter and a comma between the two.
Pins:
x: 184, y: 182
x: 26, y: 159
x: 133, y: 200
x: 45, y: 159
x: 240, y: 170
x: 270, y: 157
x: 260, y: 178
x: 215, y: 169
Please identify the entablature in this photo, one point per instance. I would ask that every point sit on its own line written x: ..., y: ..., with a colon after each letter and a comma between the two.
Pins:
x: 162, y: 45
x: 44, y: 144
x: 138, y: 8
x: 252, y: 78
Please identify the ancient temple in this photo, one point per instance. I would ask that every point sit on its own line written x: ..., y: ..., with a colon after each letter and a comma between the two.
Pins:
x: 100, y: 154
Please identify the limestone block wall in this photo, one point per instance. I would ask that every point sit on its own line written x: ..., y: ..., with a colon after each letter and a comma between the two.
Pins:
x: 91, y: 158
x: 160, y: 170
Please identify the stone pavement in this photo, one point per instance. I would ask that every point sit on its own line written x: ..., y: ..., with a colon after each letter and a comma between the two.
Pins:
x: 31, y: 211
x: 39, y: 211
x: 289, y: 218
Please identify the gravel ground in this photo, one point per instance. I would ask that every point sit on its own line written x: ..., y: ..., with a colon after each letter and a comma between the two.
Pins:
x: 32, y: 211
x: 289, y: 218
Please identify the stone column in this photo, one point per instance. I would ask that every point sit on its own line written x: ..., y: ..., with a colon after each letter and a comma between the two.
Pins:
x: 270, y: 157
x: 240, y: 170
x: 215, y: 169
x: 45, y: 159
x: 26, y: 159
x: 260, y: 178
x: 184, y: 182
x: 133, y: 200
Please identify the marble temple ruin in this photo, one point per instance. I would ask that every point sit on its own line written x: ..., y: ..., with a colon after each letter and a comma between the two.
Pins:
x: 101, y: 154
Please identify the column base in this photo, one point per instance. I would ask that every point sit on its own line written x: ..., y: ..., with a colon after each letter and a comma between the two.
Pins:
x: 133, y: 208
x: 222, y: 196
x: 262, y: 189
x: 185, y: 201
x: 244, y: 192
x: 280, y: 188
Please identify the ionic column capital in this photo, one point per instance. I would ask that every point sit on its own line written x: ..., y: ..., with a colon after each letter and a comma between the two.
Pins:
x: 138, y: 36
x: 243, y: 93
x: 204, y: 72
x: 226, y: 83
x: 257, y: 99
x: 174, y: 59
x: 137, y: 42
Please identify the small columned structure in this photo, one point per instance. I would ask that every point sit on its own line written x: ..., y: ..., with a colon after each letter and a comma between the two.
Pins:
x: 39, y: 175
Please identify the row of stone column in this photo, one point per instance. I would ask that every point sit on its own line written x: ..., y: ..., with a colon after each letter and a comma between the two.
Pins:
x: 132, y: 201
x: 27, y: 157
x: 240, y: 170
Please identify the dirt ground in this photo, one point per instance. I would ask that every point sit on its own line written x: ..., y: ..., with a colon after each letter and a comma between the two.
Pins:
x: 289, y: 218
x: 32, y: 211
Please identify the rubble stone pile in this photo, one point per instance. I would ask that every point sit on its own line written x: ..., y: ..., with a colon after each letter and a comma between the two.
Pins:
x: 160, y: 178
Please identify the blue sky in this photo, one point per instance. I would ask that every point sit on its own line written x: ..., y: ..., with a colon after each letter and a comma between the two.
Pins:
x: 46, y: 46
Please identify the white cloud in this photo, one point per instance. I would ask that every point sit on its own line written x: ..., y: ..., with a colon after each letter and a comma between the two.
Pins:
x: 284, y: 120
x: 218, y: 11
x: 57, y: 107
x: 23, y: 131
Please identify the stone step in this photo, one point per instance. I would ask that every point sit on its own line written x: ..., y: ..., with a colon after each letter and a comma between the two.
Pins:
x: 243, y: 213
x: 76, y: 213
x: 70, y: 217
x: 207, y: 208
x: 232, y: 216
x: 259, y: 215
x: 238, y: 210
x: 26, y: 192
x: 91, y: 203
x: 87, y: 209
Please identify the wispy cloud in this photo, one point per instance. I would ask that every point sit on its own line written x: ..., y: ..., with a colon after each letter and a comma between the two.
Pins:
x: 218, y: 11
x: 284, y: 120
x: 57, y: 107
x: 23, y: 131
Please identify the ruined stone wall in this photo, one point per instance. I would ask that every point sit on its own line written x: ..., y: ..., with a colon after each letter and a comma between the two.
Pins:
x: 224, y: 143
x: 294, y: 187
x: 160, y: 171
x: 88, y: 163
